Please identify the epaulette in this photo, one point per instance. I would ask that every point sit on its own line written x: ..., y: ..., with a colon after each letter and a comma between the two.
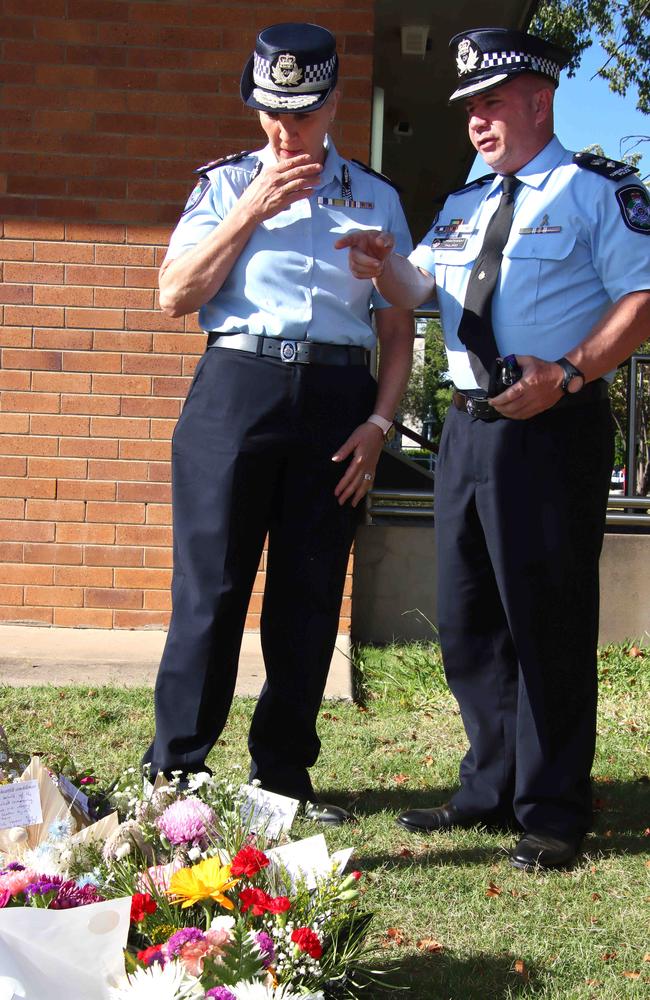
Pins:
x: 375, y: 173
x: 477, y: 182
x: 615, y: 170
x: 232, y: 158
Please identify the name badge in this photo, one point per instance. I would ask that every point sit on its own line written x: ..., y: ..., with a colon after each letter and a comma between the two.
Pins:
x: 449, y: 243
x: 346, y: 203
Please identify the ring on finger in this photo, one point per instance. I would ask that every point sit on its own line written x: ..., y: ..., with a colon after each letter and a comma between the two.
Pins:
x: 368, y: 476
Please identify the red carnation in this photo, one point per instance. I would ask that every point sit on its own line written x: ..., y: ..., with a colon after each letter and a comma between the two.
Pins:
x: 307, y: 941
x: 255, y: 898
x: 249, y: 861
x: 151, y: 955
x: 141, y: 904
x: 279, y: 904
x: 356, y: 875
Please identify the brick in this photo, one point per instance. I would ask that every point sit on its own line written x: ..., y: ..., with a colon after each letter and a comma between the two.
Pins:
x: 162, y: 429
x: 252, y: 623
x: 115, y: 255
x: 96, y: 188
x: 12, y: 552
x: 28, y: 444
x: 70, y: 597
x: 26, y: 531
x: 97, y: 55
x: 26, y: 616
x: 159, y: 472
x: 128, y: 385
x: 90, y: 404
x: 157, y: 600
x: 76, y: 447
x: 121, y: 340
x: 60, y: 425
x: 117, y: 470
x: 30, y: 230
x: 34, y: 316
x: 140, y: 619
x: 83, y: 576
x: 189, y: 365
x: 143, y: 534
x: 65, y: 555
x: 64, y: 253
x: 33, y: 360
x: 63, y: 30
x: 60, y: 381
x: 83, y: 489
x: 148, y: 492
x: 177, y: 387
x: 126, y: 298
x: 50, y: 274
x: 13, y: 423
x: 55, y: 510
x: 94, y: 233
x: 91, y: 274
x: 16, y: 250
x: 133, y: 407
x: 144, y: 319
x: 13, y: 380
x: 151, y: 364
x: 113, y: 598
x: 82, y: 618
x: 14, y: 466
x: 121, y: 428
x: 12, y: 507
x: 21, y: 294
x: 119, y: 513
x: 149, y: 235
x: 67, y: 340
x: 107, y: 319
x: 21, y: 574
x: 30, y: 402
x: 113, y: 555
x: 58, y: 468
x: 64, y: 295
x: 141, y: 277
x: 158, y: 558
x: 11, y: 594
x: 144, y: 450
x: 92, y: 361
x: 15, y: 336
x: 94, y: 534
x: 159, y: 513
x: 41, y: 488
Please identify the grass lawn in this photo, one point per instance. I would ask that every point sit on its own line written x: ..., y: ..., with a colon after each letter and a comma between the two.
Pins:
x: 453, y: 918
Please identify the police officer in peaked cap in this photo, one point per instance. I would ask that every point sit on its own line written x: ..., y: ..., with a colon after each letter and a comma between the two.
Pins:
x: 542, y: 275
x: 283, y: 423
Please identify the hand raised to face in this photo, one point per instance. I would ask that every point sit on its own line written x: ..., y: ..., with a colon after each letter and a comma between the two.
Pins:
x: 280, y: 185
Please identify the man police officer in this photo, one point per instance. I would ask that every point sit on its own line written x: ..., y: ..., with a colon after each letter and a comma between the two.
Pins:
x: 544, y: 262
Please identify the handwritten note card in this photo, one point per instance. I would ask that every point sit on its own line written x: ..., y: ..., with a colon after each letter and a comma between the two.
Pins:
x: 267, y: 812
x: 20, y: 804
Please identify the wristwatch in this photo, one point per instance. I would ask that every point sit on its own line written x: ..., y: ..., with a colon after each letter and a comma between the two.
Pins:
x: 382, y: 423
x: 570, y: 374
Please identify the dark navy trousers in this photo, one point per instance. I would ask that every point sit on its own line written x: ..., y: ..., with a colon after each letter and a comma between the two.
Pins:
x: 520, y: 515
x: 251, y: 455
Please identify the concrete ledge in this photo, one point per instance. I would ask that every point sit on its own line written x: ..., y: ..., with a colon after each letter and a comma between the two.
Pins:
x: 62, y: 656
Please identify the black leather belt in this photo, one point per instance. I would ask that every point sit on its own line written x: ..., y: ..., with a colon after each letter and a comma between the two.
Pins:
x: 301, y: 352
x: 474, y: 401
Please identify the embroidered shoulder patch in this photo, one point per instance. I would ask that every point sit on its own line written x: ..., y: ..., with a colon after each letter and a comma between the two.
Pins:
x: 198, y: 191
x: 375, y: 173
x: 232, y: 158
x: 634, y: 203
x: 614, y: 169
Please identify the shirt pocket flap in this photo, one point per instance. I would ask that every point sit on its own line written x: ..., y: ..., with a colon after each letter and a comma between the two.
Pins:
x: 540, y: 246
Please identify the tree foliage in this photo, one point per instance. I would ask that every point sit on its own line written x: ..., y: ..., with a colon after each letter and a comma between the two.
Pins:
x: 621, y: 26
x: 428, y: 394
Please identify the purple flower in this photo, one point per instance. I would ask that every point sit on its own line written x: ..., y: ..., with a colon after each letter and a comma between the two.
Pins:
x: 70, y: 895
x: 15, y: 866
x: 43, y: 885
x: 186, y: 821
x: 221, y: 993
x: 180, y: 938
x: 266, y: 947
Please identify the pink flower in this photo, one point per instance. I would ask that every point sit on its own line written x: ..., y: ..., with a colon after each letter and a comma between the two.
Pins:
x: 5, y: 896
x: 217, y: 939
x: 158, y: 877
x: 16, y: 882
x: 192, y: 955
x: 186, y: 821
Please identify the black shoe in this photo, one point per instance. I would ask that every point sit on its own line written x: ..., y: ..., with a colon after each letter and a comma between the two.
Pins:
x: 444, y: 817
x: 323, y: 812
x: 542, y: 850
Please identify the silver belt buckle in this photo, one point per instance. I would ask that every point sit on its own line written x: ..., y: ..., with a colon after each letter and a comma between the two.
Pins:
x: 289, y: 350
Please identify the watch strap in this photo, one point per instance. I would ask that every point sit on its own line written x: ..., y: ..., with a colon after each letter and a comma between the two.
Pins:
x: 570, y: 372
x: 382, y: 423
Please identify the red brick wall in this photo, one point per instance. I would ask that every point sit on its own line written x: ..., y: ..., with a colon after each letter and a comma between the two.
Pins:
x: 105, y: 110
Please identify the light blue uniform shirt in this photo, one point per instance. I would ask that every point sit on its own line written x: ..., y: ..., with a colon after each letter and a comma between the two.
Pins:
x: 570, y: 254
x: 289, y: 281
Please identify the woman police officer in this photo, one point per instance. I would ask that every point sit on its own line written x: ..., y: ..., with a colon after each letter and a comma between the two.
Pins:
x: 281, y: 402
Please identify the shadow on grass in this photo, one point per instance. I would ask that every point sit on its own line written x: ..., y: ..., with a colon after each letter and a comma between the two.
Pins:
x: 445, y: 976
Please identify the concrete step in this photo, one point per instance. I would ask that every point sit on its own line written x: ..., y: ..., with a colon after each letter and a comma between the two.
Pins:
x: 66, y: 656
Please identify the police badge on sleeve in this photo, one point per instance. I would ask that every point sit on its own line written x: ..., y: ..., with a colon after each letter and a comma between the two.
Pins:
x: 198, y: 191
x: 634, y: 202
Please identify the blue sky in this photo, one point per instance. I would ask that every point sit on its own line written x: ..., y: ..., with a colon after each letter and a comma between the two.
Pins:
x: 586, y: 111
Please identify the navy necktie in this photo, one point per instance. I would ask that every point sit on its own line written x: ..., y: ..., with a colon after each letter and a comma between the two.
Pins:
x: 475, y: 328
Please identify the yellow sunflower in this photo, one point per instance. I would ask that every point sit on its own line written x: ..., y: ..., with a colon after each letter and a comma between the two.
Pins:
x: 207, y: 880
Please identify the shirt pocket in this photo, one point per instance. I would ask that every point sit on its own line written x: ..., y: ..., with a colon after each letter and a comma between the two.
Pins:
x: 534, y: 283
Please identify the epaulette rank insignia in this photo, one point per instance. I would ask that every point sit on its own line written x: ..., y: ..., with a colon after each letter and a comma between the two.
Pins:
x: 613, y: 169
x: 375, y: 173
x: 231, y: 158
x: 477, y: 182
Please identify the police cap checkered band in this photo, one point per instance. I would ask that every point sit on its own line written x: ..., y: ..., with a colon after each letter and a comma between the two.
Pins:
x: 294, y: 67
x: 487, y: 57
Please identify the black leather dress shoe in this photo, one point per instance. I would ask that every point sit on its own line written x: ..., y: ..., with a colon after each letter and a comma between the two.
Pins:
x: 323, y: 812
x: 542, y: 850
x: 444, y: 817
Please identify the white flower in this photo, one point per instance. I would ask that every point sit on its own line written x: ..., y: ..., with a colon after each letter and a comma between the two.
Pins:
x: 157, y: 983
x: 199, y: 779
x: 222, y: 923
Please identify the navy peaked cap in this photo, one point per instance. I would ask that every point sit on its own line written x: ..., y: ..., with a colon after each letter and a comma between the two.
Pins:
x: 487, y: 57
x: 294, y: 69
